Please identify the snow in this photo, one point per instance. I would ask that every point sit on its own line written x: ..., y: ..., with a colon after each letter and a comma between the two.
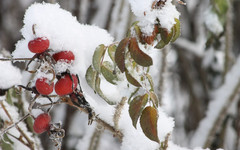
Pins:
x: 9, y: 75
x: 212, y: 22
x: 149, y: 16
x: 220, y: 99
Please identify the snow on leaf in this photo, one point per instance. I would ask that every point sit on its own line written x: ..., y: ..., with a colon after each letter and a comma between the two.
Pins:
x: 120, y: 54
x: 138, y: 55
x: 136, y: 107
x: 148, y: 122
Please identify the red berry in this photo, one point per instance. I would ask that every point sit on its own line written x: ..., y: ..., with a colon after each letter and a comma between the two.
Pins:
x: 43, y: 86
x: 38, y: 45
x: 66, y: 56
x: 41, y: 123
x: 65, y: 85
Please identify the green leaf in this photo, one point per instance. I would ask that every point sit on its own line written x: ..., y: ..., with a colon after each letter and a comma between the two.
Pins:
x: 99, y: 91
x: 160, y: 45
x: 131, y: 79
x: 137, y: 30
x: 91, y: 76
x: 150, y: 81
x: 120, y: 54
x: 6, y: 144
x: 97, y: 57
x: 138, y: 55
x: 177, y: 30
x: 148, y: 122
x: 165, y: 35
x: 136, y: 107
x: 107, y: 72
x: 221, y: 6
x: 111, y: 52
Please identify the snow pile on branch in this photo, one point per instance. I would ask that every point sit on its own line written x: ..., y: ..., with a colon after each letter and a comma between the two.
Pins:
x: 148, y: 16
x: 9, y: 75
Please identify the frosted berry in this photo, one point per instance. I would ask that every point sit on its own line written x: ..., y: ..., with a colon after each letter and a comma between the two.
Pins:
x: 41, y: 123
x: 38, y: 45
x: 43, y: 86
x: 65, y: 85
x: 66, y: 56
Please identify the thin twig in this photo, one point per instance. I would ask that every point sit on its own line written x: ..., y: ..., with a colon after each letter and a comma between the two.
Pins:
x: 95, y: 139
x: 107, y: 126
x: 163, y: 69
x: 14, y: 59
x: 30, y: 143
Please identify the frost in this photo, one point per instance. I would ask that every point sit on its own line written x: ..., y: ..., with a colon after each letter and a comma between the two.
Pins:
x: 9, y: 75
x: 148, y: 16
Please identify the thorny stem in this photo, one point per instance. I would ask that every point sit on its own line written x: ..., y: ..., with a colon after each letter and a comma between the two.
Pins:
x: 163, y: 69
x: 221, y: 116
x: 107, y: 126
x: 118, y: 111
x: 30, y: 143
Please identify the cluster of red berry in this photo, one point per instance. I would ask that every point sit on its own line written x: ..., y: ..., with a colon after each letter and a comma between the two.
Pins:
x: 65, y: 85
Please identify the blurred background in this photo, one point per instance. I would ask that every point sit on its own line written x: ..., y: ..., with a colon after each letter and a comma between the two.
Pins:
x: 197, y: 64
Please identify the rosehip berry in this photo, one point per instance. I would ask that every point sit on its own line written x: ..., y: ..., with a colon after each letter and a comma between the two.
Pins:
x: 43, y: 86
x: 66, y: 56
x: 38, y: 45
x: 41, y: 123
x: 65, y: 85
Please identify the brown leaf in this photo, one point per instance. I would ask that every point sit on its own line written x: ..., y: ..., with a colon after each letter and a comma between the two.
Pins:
x: 131, y: 79
x: 148, y: 122
x: 120, y: 54
x: 138, y: 55
x: 136, y: 107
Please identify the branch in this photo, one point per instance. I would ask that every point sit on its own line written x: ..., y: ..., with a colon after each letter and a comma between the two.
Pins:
x: 107, y: 126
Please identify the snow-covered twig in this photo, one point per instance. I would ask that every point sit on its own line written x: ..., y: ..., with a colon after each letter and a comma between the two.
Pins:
x: 217, y: 109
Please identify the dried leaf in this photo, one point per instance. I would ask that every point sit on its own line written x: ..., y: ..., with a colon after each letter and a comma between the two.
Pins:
x: 150, y: 81
x: 177, y: 30
x: 136, y: 107
x: 120, y: 54
x: 138, y: 55
x: 97, y: 57
x: 107, y: 72
x: 131, y: 79
x: 148, y: 122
